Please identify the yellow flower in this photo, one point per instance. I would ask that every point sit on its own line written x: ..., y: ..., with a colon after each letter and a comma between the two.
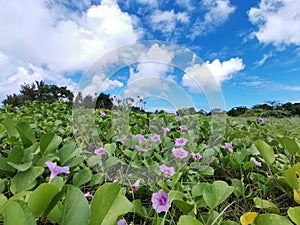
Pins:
x: 248, y: 218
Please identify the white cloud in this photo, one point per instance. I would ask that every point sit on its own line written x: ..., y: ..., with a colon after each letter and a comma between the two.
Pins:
x: 209, y: 76
x: 278, y: 21
x: 100, y: 83
x: 35, y: 35
x: 217, y: 14
x: 150, y: 74
x: 166, y: 21
x: 263, y: 60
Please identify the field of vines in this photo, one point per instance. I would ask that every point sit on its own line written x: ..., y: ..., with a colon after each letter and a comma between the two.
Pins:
x: 67, y: 166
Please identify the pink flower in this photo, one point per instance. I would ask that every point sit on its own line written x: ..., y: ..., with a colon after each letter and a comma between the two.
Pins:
x: 136, y: 185
x: 100, y: 151
x: 160, y: 201
x: 179, y: 153
x: 177, y: 118
x: 196, y: 155
x: 140, y: 137
x: 166, y: 129
x: 121, y: 140
x: 55, y: 169
x: 255, y: 161
x: 260, y: 120
x: 88, y: 196
x: 227, y: 146
x: 180, y: 141
x: 102, y: 113
x: 141, y: 149
x: 155, y: 138
x: 121, y: 222
x: 167, y: 171
x: 183, y: 127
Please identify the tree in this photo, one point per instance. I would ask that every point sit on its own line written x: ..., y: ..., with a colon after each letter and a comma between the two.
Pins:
x: 237, y: 111
x: 39, y: 91
x: 104, y: 101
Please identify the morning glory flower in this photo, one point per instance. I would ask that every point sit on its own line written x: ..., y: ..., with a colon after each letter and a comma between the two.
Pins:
x: 180, y: 141
x: 196, y: 155
x: 122, y: 222
x: 167, y: 171
x: 140, y: 137
x: 136, y: 185
x: 227, y: 146
x: 260, y: 120
x: 121, y: 140
x: 56, y: 170
x: 177, y: 118
x: 179, y: 153
x: 100, y: 151
x: 183, y: 127
x: 102, y: 113
x: 255, y: 161
x: 17, y: 108
x: 155, y: 138
x: 160, y: 201
x: 88, y: 196
x: 166, y: 129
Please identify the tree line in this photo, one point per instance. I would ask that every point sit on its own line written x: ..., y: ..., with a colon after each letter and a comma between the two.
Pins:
x: 42, y: 92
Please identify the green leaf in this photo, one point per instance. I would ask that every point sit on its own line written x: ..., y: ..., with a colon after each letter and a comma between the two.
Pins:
x: 239, y: 188
x: 49, y: 143
x: 67, y: 152
x: 41, y: 197
x: 26, y: 180
x: 188, y: 220
x: 229, y: 222
x: 294, y: 214
x: 271, y: 219
x: 197, y: 190
x: 82, y: 176
x: 10, y: 127
x: 264, y: 204
x: 4, y: 166
x: 291, y: 175
x: 216, y: 193
x: 110, y: 148
x: 290, y: 145
x: 75, y: 208
x: 17, y: 212
x: 265, y: 150
x: 108, y: 205
x: 26, y: 133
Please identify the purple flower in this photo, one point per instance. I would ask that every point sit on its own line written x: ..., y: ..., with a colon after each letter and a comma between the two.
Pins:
x: 227, y: 146
x: 179, y: 153
x: 270, y: 139
x: 136, y: 125
x: 177, y: 118
x: 276, y: 156
x: 121, y: 222
x: 140, y: 137
x: 255, y: 161
x: 141, y: 149
x: 261, y: 120
x: 183, y: 127
x: 88, y: 196
x: 167, y: 171
x: 136, y: 185
x: 102, y: 113
x: 122, y: 140
x: 196, y: 155
x: 160, y: 201
x: 17, y: 108
x: 180, y: 141
x: 166, y: 129
x: 155, y: 138
x: 233, y: 122
x: 100, y: 151
x: 55, y: 169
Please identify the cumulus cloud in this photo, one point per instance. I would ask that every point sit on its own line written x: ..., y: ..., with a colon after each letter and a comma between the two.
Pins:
x: 278, y: 22
x: 150, y: 74
x: 35, y: 35
x: 217, y: 13
x: 166, y: 21
x: 210, y: 75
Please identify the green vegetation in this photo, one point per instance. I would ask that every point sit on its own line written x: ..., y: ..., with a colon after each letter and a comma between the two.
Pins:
x: 107, y: 166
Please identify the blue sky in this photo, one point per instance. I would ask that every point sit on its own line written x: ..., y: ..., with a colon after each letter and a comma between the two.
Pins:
x: 173, y: 53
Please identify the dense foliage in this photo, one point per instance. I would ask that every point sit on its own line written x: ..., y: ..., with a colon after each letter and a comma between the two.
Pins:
x: 119, y: 166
